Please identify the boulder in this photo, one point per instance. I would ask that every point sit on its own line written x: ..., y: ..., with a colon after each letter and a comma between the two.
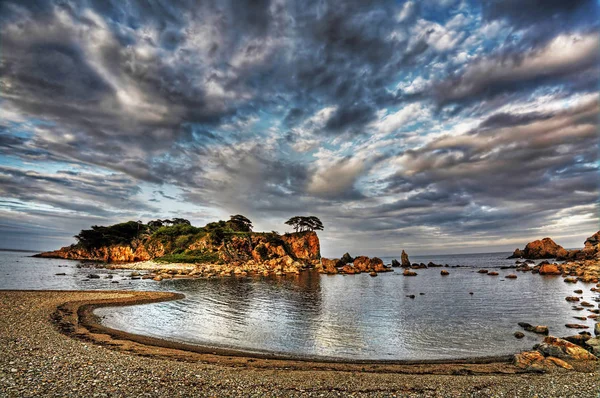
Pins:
x: 560, y: 348
x: 597, y: 329
x: 483, y: 271
x: 366, y: 264
x: 570, y: 280
x: 593, y: 345
x: 591, y: 248
x: 572, y: 298
x: 549, y: 269
x: 519, y: 335
x: 444, y: 272
x: 404, y: 259
x: 348, y: 269
x: 395, y: 263
x: 539, y: 249
x: 576, y: 326
x: 493, y: 273
x: 535, y: 361
x: 409, y: 273
x: 346, y: 259
x: 328, y: 266
x: 540, y: 329
x: 511, y: 276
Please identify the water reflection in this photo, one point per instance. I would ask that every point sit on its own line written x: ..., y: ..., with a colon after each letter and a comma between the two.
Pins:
x: 337, y: 316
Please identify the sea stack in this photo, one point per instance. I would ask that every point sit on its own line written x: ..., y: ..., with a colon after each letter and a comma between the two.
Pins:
x: 405, y: 260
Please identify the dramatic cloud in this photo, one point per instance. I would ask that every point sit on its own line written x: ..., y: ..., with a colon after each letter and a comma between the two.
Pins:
x: 469, y: 124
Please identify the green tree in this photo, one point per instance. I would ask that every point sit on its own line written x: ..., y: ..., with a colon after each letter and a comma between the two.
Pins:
x: 240, y: 223
x: 305, y: 223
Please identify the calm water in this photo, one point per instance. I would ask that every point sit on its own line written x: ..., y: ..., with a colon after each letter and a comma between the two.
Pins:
x: 337, y: 316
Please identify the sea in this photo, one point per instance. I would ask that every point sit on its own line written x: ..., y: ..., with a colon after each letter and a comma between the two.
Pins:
x: 347, y: 317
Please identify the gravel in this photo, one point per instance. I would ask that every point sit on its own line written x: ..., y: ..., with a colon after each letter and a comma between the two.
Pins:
x: 36, y: 360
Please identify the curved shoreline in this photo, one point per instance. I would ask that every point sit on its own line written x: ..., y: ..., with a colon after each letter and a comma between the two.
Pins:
x: 77, y: 319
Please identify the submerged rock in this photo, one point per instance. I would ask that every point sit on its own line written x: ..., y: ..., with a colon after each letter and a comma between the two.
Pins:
x: 540, y: 329
x: 576, y: 326
x: 482, y: 271
x: 572, y: 298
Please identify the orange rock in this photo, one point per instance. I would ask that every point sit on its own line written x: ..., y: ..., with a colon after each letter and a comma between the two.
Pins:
x: 328, y: 266
x: 549, y: 269
x: 554, y: 345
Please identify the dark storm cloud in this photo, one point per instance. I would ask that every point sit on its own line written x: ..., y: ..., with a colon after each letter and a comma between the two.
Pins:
x: 98, y: 195
x: 525, y: 12
x: 491, y: 76
x: 223, y: 102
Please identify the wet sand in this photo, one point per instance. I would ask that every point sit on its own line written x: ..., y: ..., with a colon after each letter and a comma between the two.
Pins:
x: 52, y: 345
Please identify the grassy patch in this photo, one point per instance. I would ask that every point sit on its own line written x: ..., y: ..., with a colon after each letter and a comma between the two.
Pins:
x: 190, y: 256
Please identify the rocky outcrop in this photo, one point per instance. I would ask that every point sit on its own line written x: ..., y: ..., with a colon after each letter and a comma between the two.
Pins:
x: 329, y: 266
x: 560, y: 348
x: 556, y: 352
x: 304, y: 245
x: 137, y: 251
x: 404, y: 260
x: 540, y: 249
x: 534, y: 361
x: 249, y: 252
x: 547, y: 248
x: 366, y: 264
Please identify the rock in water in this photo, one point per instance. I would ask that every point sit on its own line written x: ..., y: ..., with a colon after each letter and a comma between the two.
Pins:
x: 549, y: 269
x: 597, y: 329
x: 539, y: 249
x: 346, y: 258
x: 540, y: 329
x: 576, y: 326
x: 519, y: 335
x: 444, y: 272
x: 395, y: 263
x: 405, y: 260
x: 409, y: 273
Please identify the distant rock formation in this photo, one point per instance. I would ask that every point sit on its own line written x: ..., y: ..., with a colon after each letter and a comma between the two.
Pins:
x: 404, y: 259
x: 547, y: 248
x: 256, y: 252
x: 539, y: 249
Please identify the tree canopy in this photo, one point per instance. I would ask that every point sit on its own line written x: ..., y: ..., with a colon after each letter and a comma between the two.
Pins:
x: 240, y: 223
x: 305, y: 223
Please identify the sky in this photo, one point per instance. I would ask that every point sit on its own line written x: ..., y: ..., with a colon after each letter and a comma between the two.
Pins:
x: 445, y: 126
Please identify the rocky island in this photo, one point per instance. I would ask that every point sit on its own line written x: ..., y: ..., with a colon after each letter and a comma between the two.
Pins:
x: 175, y: 247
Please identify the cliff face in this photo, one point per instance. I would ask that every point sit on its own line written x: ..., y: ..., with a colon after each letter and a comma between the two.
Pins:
x: 547, y: 248
x: 302, y: 248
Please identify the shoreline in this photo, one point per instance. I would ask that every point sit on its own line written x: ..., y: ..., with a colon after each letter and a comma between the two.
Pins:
x: 39, y: 359
x: 77, y: 319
